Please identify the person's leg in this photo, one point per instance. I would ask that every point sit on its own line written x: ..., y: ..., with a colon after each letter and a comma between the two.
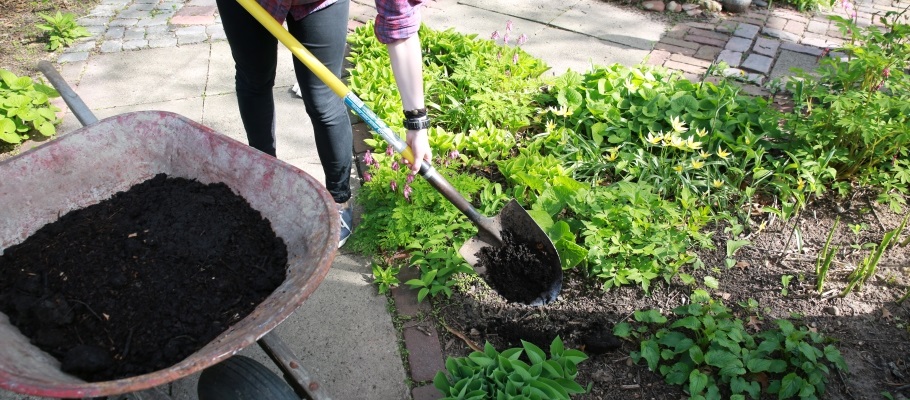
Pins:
x: 255, y: 53
x: 324, y: 33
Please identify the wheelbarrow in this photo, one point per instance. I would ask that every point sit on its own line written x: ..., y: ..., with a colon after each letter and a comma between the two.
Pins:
x: 104, y: 157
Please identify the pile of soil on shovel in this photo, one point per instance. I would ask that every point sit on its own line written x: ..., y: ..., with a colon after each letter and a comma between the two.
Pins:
x: 142, y: 280
x: 518, y: 271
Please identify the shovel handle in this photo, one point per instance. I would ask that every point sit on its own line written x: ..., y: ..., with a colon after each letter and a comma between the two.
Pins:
x: 85, y: 115
x: 354, y: 103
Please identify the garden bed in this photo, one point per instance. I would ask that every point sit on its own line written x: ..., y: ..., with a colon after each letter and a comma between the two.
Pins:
x: 870, y: 330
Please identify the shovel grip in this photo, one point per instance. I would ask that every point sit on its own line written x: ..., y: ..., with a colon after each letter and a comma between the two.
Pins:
x: 426, y: 169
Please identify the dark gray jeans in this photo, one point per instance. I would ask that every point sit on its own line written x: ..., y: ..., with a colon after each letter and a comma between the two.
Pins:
x: 254, y: 49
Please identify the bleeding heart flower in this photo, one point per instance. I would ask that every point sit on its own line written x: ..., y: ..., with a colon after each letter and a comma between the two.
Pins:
x: 393, y: 185
x: 407, y: 192
x: 522, y: 39
x: 454, y: 154
x: 495, y: 35
x: 395, y: 166
x: 389, y: 151
x: 368, y: 158
x: 509, y: 26
x: 410, y: 179
x: 367, y: 177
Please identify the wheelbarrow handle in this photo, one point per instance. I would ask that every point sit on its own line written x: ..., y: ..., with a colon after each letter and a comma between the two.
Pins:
x: 352, y: 101
x: 85, y: 116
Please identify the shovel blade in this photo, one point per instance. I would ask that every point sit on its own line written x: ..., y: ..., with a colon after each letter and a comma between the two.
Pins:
x: 524, y: 231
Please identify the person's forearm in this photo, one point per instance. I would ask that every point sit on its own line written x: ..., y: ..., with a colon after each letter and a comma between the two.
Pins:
x: 408, y: 69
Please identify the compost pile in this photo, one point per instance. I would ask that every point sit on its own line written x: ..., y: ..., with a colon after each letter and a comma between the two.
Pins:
x: 140, y: 281
x: 518, y: 271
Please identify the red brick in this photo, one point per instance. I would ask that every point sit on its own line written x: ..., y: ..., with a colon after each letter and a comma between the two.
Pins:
x: 427, y: 392
x: 706, y: 40
x: 677, y: 32
x: 685, y: 67
x: 680, y: 43
x: 405, y: 297
x: 776, y: 22
x: 657, y: 57
x: 707, y: 53
x: 689, y: 60
x: 795, y: 27
x: 674, y: 49
x: 424, y: 352
x: 709, y: 34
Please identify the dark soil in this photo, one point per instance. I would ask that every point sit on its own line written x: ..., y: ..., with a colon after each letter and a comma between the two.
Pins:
x: 138, y: 282
x: 518, y: 271
x: 869, y: 327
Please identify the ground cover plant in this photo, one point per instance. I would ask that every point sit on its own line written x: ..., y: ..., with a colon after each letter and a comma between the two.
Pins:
x: 665, y: 194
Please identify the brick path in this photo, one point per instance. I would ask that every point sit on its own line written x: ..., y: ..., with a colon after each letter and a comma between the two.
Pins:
x: 760, y: 45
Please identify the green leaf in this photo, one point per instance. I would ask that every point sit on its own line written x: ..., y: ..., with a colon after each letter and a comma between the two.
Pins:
x: 711, y: 282
x: 734, y: 245
x: 691, y: 322
x: 650, y: 317
x: 535, y: 354
x: 622, y: 329
x: 790, y: 385
x: 441, y: 382
x: 556, y: 348
x: 698, y: 381
x: 651, y: 353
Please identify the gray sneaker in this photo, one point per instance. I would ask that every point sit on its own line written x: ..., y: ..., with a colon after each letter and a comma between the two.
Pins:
x: 346, y: 212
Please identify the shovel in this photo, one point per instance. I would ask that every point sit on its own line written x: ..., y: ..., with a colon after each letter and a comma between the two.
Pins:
x: 510, y: 251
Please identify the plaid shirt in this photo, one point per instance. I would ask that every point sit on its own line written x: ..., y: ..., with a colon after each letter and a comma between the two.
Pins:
x: 395, y: 19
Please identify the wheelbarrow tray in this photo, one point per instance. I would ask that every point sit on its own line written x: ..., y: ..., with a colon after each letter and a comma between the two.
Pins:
x: 93, y: 163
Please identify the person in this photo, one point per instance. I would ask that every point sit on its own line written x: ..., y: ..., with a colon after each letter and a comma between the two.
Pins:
x: 321, y: 26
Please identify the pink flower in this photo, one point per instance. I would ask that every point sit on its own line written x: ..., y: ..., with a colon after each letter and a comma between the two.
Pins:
x: 509, y: 26
x: 367, y: 177
x: 368, y: 158
x: 886, y: 72
x: 393, y: 185
x: 495, y: 35
x: 499, y: 56
x: 454, y: 154
x: 505, y: 38
x: 410, y: 179
x: 407, y: 192
x: 389, y: 151
x: 395, y: 166
x: 522, y: 39
x: 515, y: 58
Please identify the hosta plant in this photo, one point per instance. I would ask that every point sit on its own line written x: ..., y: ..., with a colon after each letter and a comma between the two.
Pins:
x: 507, y: 375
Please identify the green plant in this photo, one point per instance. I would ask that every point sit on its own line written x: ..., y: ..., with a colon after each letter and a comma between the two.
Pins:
x: 436, y: 270
x: 494, y: 375
x: 25, y: 107
x: 710, y: 354
x: 385, y: 278
x: 628, y: 233
x: 785, y: 283
x: 854, y: 112
x: 62, y: 30
x: 866, y: 269
x: 824, y: 259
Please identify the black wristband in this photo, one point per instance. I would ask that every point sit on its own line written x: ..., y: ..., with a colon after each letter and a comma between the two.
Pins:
x: 416, y: 124
x: 416, y: 113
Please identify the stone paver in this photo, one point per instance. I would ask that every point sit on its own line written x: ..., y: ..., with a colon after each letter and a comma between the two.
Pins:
x: 758, y: 63
x: 739, y: 44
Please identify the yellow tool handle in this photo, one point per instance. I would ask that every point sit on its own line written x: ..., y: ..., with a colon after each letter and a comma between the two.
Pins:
x: 296, y: 48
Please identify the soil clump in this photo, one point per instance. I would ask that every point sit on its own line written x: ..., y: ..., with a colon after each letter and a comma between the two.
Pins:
x: 140, y: 281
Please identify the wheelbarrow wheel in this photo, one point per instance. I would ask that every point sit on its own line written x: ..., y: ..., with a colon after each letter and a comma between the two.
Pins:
x: 242, y: 378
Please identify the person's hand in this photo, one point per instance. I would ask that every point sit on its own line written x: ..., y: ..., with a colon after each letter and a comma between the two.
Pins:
x: 420, y: 148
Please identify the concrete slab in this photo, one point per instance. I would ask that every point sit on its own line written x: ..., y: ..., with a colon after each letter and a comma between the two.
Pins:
x: 531, y: 11
x: 615, y: 24
x: 190, y: 108
x: 141, y: 77
x: 560, y: 49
